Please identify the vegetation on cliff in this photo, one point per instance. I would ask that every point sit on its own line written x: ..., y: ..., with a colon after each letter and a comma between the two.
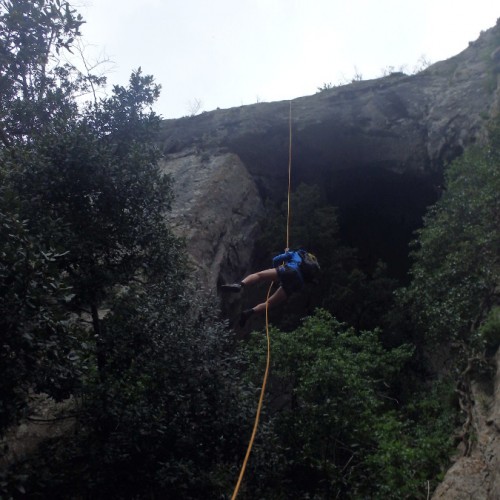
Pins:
x: 97, y: 303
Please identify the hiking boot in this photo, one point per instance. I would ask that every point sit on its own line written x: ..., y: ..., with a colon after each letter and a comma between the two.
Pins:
x: 234, y: 287
x: 245, y: 315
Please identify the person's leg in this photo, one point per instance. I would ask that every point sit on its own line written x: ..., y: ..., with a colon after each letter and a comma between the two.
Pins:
x: 260, y: 277
x: 276, y: 298
x: 252, y: 279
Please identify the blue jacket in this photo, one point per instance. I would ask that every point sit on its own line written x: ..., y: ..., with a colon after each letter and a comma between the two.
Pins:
x: 290, y: 259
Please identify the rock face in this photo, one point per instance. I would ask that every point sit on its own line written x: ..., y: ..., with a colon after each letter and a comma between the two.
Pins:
x: 377, y: 148
x: 217, y: 210
x: 477, y: 476
x: 399, y: 123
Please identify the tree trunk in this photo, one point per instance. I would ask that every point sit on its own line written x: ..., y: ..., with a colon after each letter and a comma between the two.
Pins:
x: 104, y: 420
x: 100, y: 346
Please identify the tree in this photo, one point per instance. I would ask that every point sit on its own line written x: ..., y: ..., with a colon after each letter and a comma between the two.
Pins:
x: 83, y: 183
x: 456, y: 264
x: 454, y: 289
x: 84, y: 227
x: 39, y: 337
x: 422, y: 64
x: 330, y: 386
x: 177, y: 400
x: 40, y: 348
x: 194, y: 106
x: 178, y: 408
x: 325, y: 86
x: 363, y: 299
x: 97, y: 173
x: 33, y: 86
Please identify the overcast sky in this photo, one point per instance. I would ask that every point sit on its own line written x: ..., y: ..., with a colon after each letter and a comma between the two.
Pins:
x: 227, y: 53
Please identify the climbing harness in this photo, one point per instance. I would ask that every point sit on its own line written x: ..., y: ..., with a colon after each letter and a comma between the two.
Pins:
x: 268, y: 360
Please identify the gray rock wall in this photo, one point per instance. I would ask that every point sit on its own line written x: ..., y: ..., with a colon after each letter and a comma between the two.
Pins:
x: 377, y: 148
x: 399, y: 122
x: 477, y: 476
x: 217, y: 210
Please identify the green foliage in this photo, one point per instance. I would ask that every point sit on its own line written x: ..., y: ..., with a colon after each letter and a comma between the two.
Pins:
x: 83, y: 201
x: 175, y: 401
x: 333, y: 409
x: 34, y: 87
x: 310, y: 217
x: 41, y: 348
x: 98, y: 175
x: 363, y: 299
x: 39, y: 339
x: 456, y: 265
x: 489, y: 331
x: 171, y: 423
x: 452, y: 299
x: 414, y: 445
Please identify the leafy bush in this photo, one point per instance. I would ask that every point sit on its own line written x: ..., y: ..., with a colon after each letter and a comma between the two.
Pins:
x: 413, y: 445
x: 456, y: 269
x: 338, y: 428
x: 168, y: 421
x: 174, y: 401
x: 489, y: 331
x: 40, y: 341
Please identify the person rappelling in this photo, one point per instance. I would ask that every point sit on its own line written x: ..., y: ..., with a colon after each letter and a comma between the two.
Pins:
x: 291, y: 270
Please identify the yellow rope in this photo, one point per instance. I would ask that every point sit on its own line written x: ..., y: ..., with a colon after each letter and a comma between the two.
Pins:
x: 289, y: 178
x: 268, y: 360
x: 261, y: 400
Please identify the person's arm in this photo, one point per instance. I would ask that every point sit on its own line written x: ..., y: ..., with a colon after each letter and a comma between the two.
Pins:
x: 284, y: 257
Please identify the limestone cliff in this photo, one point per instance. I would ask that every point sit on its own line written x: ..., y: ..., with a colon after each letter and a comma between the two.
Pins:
x: 217, y: 210
x: 376, y: 147
x: 399, y: 123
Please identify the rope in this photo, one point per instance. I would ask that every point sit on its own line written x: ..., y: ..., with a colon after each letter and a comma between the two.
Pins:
x: 289, y: 178
x: 268, y: 360
x: 261, y: 400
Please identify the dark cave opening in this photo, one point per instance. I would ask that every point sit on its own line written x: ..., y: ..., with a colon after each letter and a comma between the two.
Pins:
x: 379, y: 209
x: 379, y: 212
x: 381, y: 191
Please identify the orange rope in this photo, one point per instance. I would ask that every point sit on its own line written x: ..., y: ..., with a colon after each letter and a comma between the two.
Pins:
x: 289, y: 179
x: 268, y: 361
x: 261, y: 400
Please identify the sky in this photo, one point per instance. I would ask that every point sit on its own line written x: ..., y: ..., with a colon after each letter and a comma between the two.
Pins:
x: 209, y: 54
